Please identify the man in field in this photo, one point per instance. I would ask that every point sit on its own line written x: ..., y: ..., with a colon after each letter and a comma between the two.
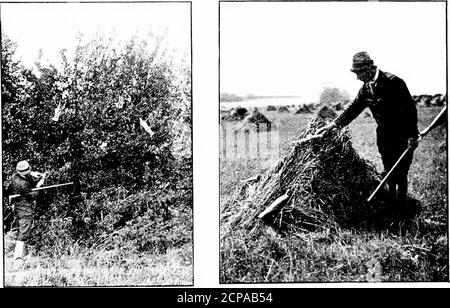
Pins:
x: 395, y: 113
x: 22, y: 183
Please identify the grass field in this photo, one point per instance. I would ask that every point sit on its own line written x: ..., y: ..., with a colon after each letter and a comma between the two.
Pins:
x: 418, y: 253
x: 100, y: 268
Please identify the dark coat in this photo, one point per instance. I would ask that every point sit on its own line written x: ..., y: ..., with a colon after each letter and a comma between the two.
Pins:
x: 392, y: 107
x: 395, y: 113
x: 24, y: 205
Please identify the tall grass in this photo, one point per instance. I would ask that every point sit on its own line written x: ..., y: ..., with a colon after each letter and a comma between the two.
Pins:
x: 100, y: 268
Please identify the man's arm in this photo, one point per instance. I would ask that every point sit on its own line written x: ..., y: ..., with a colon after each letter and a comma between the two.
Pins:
x: 20, y: 187
x: 408, y: 111
x: 353, y: 110
x: 41, y: 178
x: 349, y: 114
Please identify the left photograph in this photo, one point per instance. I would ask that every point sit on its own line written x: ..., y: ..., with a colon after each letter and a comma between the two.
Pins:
x: 96, y: 144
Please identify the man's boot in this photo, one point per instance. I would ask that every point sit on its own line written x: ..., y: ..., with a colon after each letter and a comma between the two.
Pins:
x: 392, y: 200
x: 402, y: 196
x: 19, y: 254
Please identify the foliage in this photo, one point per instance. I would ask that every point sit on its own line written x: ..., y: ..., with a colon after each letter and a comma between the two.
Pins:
x: 330, y: 96
x: 229, y: 97
x: 104, y: 92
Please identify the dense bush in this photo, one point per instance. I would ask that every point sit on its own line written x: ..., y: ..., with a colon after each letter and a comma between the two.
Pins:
x: 125, y: 178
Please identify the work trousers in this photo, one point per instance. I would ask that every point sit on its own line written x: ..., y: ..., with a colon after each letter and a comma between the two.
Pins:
x: 398, y: 180
x: 25, y: 217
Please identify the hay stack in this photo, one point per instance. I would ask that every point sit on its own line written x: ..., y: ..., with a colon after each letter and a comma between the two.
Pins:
x: 224, y: 111
x: 325, y: 181
x: 325, y: 114
x: 256, y: 117
x: 303, y: 109
x: 283, y: 109
x: 338, y: 106
x: 438, y: 100
x: 422, y: 100
x: 271, y: 108
x: 237, y: 114
x: 311, y: 106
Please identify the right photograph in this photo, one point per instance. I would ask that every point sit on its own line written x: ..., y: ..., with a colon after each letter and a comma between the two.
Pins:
x: 333, y: 142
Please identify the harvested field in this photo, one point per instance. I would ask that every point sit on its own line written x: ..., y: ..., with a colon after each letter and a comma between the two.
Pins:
x: 341, y: 237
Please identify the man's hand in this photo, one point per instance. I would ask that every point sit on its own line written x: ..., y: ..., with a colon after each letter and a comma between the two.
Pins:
x: 41, y: 181
x: 413, y: 143
x: 326, y: 129
x: 36, y: 174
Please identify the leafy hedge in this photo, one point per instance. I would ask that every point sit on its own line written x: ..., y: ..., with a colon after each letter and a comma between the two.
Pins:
x: 127, y: 182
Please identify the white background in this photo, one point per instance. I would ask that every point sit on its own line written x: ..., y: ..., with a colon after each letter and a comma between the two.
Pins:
x: 206, y: 115
x: 297, y: 48
x: 50, y: 27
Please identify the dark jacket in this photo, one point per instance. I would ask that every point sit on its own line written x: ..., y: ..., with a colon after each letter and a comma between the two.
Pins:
x: 24, y: 204
x: 392, y: 107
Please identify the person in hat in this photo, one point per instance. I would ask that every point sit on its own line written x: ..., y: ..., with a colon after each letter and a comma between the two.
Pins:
x: 395, y: 113
x: 22, y: 183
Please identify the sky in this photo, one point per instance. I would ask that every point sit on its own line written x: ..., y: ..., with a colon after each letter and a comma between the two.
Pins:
x: 300, y: 48
x: 54, y: 26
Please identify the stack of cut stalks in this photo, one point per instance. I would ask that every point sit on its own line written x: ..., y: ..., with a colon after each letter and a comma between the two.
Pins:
x: 322, y: 184
x: 303, y: 109
x: 237, y: 114
x: 256, y: 117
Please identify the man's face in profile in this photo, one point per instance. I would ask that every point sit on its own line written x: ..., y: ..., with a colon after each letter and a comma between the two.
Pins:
x: 364, y: 74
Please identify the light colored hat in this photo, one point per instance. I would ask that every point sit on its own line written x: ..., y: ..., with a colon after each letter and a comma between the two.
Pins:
x: 23, y: 167
x: 361, y: 60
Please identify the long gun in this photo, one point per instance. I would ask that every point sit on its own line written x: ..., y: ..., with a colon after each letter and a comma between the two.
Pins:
x: 40, y: 188
x: 421, y: 135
